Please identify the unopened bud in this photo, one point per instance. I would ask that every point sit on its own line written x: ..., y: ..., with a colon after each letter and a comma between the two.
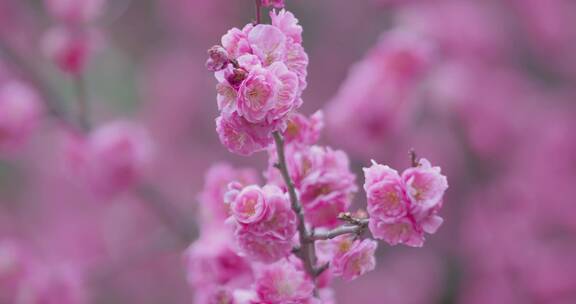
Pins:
x: 217, y: 58
x: 237, y: 76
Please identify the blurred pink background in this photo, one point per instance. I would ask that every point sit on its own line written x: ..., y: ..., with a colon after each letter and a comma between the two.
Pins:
x: 493, y: 104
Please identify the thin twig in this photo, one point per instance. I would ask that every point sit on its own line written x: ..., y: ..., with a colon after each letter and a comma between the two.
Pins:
x: 344, y: 229
x: 306, y: 253
x: 413, y: 158
x: 258, y: 11
x: 322, y: 268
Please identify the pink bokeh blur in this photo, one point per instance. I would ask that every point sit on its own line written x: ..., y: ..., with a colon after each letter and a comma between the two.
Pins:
x: 485, y: 89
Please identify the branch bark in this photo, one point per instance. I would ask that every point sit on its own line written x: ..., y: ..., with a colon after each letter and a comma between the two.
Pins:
x: 306, y: 253
x: 357, y: 229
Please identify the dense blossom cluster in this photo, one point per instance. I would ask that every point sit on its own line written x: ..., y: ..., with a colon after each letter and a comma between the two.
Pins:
x: 484, y: 88
x: 265, y: 223
x: 296, y: 233
x: 323, y: 179
x: 216, y: 185
x: 402, y: 208
x: 261, y: 73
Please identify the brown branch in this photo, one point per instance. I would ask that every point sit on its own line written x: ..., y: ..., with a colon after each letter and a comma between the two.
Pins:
x: 258, y: 11
x: 306, y: 252
x: 413, y: 158
x: 344, y: 229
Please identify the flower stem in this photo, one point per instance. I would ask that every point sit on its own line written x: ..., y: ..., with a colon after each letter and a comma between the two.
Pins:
x: 344, y: 229
x: 306, y: 253
x: 258, y: 13
x: 413, y: 158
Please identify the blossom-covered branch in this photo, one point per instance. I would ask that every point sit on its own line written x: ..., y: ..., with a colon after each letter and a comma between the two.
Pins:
x: 287, y: 236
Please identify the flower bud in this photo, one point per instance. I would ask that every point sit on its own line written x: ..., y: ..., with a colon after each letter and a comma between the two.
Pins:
x: 217, y: 58
x: 236, y: 77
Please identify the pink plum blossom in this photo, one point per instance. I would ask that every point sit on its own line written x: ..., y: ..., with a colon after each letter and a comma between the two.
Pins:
x: 241, y: 137
x: 425, y: 185
x: 303, y: 130
x: 212, y: 260
x: 268, y: 94
x: 283, y: 282
x: 403, y: 208
x: 268, y: 236
x: 385, y: 193
x: 261, y: 72
x: 297, y: 61
x: 288, y: 24
x: 20, y: 110
x: 249, y: 205
x: 402, y: 231
x: 323, y: 178
x: 378, y: 173
x: 268, y: 43
x: 212, y: 203
x: 352, y: 258
x: 217, y: 58
x: 386, y: 200
x: 236, y: 43
x: 262, y: 248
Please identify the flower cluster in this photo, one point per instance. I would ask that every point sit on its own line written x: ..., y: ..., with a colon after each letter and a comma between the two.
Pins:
x: 402, y: 208
x: 283, y: 282
x: 265, y: 223
x: 349, y: 257
x: 261, y: 73
x: 288, y: 239
x: 254, y: 255
x: 213, y: 209
x: 323, y: 179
